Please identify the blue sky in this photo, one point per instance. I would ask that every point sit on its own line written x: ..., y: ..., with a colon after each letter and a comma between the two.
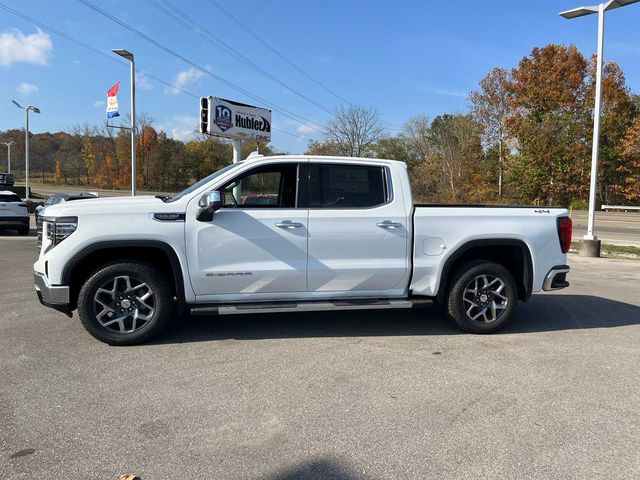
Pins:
x: 404, y: 58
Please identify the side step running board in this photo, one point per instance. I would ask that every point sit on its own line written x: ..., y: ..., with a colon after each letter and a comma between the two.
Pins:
x: 280, y: 307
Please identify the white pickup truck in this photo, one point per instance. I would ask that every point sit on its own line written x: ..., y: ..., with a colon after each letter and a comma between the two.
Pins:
x: 293, y: 233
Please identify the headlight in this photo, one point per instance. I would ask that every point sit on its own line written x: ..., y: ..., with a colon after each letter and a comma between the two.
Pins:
x: 58, y: 228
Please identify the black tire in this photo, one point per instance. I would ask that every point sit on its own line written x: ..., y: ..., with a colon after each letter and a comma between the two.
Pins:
x: 23, y: 230
x: 125, y: 332
x: 461, y: 297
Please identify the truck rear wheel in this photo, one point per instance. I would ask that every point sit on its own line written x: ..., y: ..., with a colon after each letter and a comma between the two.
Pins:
x: 481, y: 297
x: 125, y: 303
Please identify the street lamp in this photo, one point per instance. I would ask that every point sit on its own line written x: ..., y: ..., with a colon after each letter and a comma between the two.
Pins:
x: 590, y: 245
x: 27, y: 109
x: 129, y: 56
x: 8, y: 144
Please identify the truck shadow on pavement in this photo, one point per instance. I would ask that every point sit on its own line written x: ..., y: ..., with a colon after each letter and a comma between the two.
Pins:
x: 320, y: 468
x: 542, y: 313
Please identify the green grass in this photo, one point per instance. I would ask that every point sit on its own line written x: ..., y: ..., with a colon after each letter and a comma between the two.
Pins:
x: 608, y: 250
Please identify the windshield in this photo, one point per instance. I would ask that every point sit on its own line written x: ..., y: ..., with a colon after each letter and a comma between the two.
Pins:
x: 202, y: 182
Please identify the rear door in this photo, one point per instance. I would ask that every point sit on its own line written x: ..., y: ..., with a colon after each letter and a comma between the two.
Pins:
x: 358, y: 231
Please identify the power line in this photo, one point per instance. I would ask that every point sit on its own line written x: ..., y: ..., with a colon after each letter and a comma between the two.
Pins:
x: 112, y: 58
x: 287, y: 113
x: 274, y: 50
x: 200, y: 30
x: 89, y: 47
x: 284, y: 58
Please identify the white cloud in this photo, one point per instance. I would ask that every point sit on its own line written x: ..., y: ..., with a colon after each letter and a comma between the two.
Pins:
x: 446, y: 91
x: 27, y: 88
x: 142, y: 81
x: 184, y: 127
x: 16, y: 47
x: 306, y: 129
x: 183, y: 79
x: 98, y: 103
x: 183, y: 134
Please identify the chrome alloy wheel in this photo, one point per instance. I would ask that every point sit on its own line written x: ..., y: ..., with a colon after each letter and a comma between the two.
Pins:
x: 124, y: 304
x: 483, y: 298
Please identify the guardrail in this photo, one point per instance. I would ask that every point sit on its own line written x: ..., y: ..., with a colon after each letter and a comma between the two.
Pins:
x: 620, y: 207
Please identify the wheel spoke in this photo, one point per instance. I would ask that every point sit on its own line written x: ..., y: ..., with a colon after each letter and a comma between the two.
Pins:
x: 124, y: 304
x: 479, y: 314
x: 470, y: 301
x: 484, y: 298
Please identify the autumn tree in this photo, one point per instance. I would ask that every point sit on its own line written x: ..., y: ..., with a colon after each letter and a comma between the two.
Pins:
x: 629, y: 168
x: 456, y: 156
x: 549, y: 122
x: 490, y: 108
x: 323, y: 147
x: 355, y: 130
x: 58, y: 176
x: 88, y: 155
x: 617, y: 115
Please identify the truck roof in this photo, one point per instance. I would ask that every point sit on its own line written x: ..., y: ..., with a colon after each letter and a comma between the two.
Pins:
x: 253, y: 156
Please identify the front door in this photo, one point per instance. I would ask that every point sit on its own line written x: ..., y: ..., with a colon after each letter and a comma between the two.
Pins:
x: 256, y: 243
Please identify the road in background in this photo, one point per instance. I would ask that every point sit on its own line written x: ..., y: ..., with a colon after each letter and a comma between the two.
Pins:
x: 621, y: 228
x: 344, y: 395
x: 612, y: 227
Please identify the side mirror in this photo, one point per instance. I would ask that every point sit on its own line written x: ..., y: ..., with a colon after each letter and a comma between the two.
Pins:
x: 209, y: 203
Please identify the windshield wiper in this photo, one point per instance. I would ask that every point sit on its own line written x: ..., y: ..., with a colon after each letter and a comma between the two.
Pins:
x: 164, y: 198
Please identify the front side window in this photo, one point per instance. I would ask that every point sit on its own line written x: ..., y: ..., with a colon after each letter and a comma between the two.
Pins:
x: 270, y: 186
x: 346, y: 186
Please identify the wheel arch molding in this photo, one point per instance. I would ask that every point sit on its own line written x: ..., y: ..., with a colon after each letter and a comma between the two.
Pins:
x: 499, y: 250
x: 77, y: 269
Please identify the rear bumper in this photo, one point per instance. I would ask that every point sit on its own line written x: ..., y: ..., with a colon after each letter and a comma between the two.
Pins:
x: 556, y: 279
x: 52, y: 296
x: 14, y: 221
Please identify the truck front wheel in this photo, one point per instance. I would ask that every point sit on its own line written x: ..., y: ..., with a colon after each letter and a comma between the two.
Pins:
x: 481, y: 297
x: 125, y: 303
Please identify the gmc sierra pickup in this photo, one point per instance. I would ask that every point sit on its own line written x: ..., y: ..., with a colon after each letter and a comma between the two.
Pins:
x: 293, y: 233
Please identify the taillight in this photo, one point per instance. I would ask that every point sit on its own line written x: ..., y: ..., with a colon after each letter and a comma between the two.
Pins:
x: 564, y: 233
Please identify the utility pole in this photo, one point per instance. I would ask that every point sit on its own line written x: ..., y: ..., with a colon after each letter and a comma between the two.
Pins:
x: 8, y: 144
x: 27, y: 109
x: 590, y: 245
x: 129, y: 56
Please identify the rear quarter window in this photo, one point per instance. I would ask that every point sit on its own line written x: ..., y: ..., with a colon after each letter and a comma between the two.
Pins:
x: 346, y: 186
x: 10, y: 198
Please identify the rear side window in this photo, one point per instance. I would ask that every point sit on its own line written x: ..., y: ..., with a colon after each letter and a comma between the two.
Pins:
x: 346, y: 186
x: 10, y: 198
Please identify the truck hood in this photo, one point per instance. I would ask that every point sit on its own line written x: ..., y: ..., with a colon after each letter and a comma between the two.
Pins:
x: 137, y: 204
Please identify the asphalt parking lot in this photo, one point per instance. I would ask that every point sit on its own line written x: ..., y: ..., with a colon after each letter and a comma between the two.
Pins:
x: 333, y: 395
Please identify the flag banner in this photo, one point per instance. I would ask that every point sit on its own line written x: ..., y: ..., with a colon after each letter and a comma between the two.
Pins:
x: 112, y: 101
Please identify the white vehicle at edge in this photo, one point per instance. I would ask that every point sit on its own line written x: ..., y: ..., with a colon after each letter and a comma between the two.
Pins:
x: 14, y: 213
x: 293, y: 233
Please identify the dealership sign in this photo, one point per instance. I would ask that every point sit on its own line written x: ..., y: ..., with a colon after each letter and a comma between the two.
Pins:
x: 239, y: 121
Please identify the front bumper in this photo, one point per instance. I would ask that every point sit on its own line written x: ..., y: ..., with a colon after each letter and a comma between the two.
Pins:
x: 53, y: 296
x: 556, y: 279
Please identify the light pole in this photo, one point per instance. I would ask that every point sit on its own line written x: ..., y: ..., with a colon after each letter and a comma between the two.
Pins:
x: 129, y: 56
x: 590, y: 245
x: 27, y: 109
x: 8, y: 144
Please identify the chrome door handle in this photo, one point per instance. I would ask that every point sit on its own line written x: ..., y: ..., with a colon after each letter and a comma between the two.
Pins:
x: 288, y: 224
x: 389, y: 224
